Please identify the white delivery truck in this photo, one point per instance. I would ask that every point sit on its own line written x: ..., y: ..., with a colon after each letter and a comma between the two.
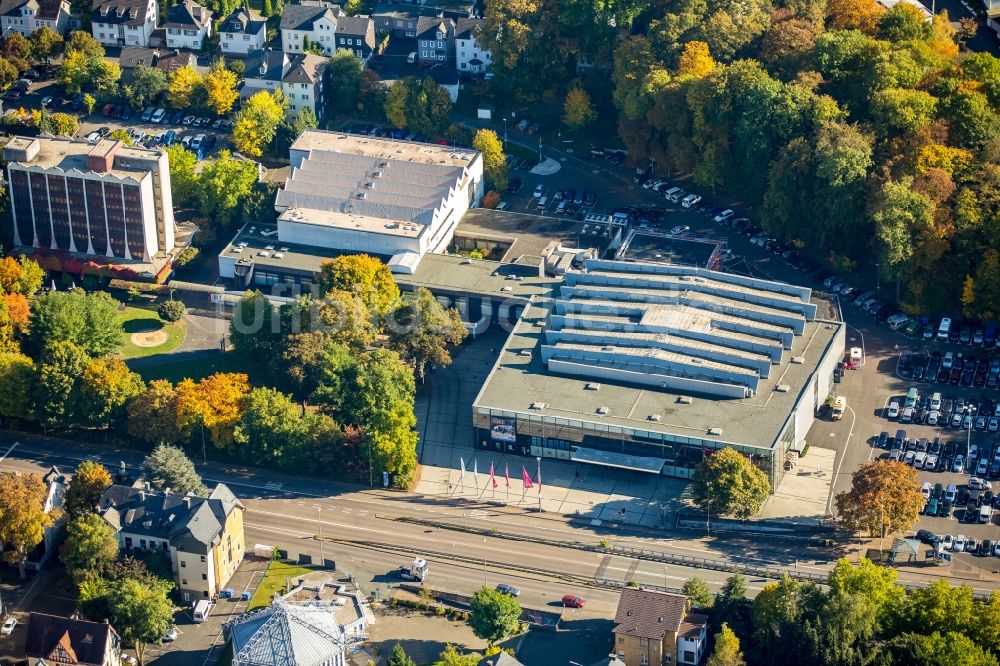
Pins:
x: 416, y: 571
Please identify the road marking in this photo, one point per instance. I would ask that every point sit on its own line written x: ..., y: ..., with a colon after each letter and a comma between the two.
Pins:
x: 274, y: 485
x: 847, y: 445
x: 7, y: 452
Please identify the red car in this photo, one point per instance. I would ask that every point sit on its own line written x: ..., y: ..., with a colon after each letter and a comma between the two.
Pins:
x: 572, y: 601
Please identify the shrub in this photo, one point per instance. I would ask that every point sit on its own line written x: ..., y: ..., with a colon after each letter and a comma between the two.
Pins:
x: 171, y: 310
x: 491, y: 199
x: 186, y: 256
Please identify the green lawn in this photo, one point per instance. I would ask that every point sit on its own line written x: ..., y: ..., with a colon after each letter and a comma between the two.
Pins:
x: 200, y: 367
x: 275, y: 578
x: 136, y: 319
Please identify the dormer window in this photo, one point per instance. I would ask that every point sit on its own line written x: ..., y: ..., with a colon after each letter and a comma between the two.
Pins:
x: 104, y: 10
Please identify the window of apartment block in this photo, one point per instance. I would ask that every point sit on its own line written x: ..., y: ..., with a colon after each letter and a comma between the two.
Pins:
x: 184, y: 581
x: 689, y: 656
x: 202, y: 558
x: 643, y: 659
x: 184, y: 564
x: 204, y: 576
x: 358, y: 53
x: 643, y: 642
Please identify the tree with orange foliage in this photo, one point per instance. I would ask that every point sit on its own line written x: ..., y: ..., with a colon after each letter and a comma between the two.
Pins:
x: 884, y: 498
x: 10, y: 273
x: 23, y: 519
x: 18, y: 311
x: 212, y: 403
x: 860, y: 15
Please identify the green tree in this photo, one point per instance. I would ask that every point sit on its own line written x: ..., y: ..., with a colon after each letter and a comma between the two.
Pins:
x: 902, y: 217
x: 494, y: 615
x: 89, y: 482
x: 875, y: 583
x: 727, y: 483
x: 105, y: 76
x: 985, y: 625
x: 938, y: 649
x: 122, y: 135
x: 167, y: 467
x: 398, y: 657
x: 46, y: 43
x: 367, y: 277
x: 106, y: 387
x: 299, y: 365
x: 727, y: 649
x: 396, y: 101
x: 450, y: 656
x: 184, y: 180
x: 272, y: 430
x: 257, y: 122
x: 75, y: 72
x: 16, y: 49
x: 152, y: 415
x: 884, y: 498
x: 225, y: 184
x: 940, y: 607
x: 253, y: 329
x: 421, y: 330
x: 147, y: 84
x: 91, y: 546
x: 23, y: 519
x: 578, y: 110
x: 85, y: 43
x: 902, y: 110
x: 343, y: 81
x: 973, y: 120
x: 697, y: 589
x: 494, y: 160
x: 8, y: 74
x: 89, y: 321
x: 18, y: 378
x: 345, y: 318
x: 89, y: 102
x: 58, y: 386
x: 141, y: 611
x: 903, y: 22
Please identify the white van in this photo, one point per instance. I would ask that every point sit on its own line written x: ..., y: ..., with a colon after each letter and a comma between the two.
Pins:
x: 944, y: 328
x: 985, y: 513
x: 673, y: 194
x: 412, y: 58
x: 935, y: 401
x: 202, y: 609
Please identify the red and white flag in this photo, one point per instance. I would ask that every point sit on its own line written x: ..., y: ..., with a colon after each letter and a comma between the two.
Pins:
x: 506, y: 474
x: 525, y: 478
x: 493, y: 479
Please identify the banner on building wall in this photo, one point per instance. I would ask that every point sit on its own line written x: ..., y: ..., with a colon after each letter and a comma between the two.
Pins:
x: 503, y: 429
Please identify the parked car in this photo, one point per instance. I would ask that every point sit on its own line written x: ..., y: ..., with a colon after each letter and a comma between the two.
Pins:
x: 572, y: 601
x: 8, y: 626
x: 147, y: 114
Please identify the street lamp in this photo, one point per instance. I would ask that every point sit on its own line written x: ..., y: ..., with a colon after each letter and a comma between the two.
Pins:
x: 968, y: 439
x: 319, y: 511
x: 708, y: 510
x: 505, y: 132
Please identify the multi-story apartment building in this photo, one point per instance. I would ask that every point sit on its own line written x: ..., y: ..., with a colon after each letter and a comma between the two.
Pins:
x: 298, y: 76
x: 470, y: 57
x: 104, y: 200
x: 124, y: 22
x: 242, y: 33
x: 202, y: 535
x: 657, y: 629
x: 435, y: 39
x: 27, y: 16
x: 356, y: 34
x: 188, y: 25
x: 312, y: 21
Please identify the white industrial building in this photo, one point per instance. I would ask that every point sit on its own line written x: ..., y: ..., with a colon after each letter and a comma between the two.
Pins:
x: 359, y: 194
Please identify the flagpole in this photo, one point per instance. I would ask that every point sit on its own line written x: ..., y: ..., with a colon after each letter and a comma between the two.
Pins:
x: 461, y: 461
x: 539, y: 459
x: 475, y: 474
x: 506, y: 476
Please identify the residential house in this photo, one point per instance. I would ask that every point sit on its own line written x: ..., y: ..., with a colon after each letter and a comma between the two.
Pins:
x: 299, y: 76
x: 203, y: 536
x: 311, y: 21
x: 241, y: 32
x: 470, y: 57
x: 124, y: 22
x: 655, y: 628
x: 435, y: 39
x: 356, y: 34
x: 188, y: 25
x: 453, y: 9
x: 168, y: 61
x: 27, y: 16
x: 55, y: 482
x: 134, y: 57
x: 399, y: 20
x: 499, y: 659
x: 446, y: 77
x: 52, y: 639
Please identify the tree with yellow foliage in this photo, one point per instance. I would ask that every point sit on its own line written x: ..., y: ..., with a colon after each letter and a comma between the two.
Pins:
x: 938, y: 156
x: 860, y: 15
x: 220, y: 87
x: 968, y: 295
x: 258, y: 121
x: 212, y: 403
x: 578, y: 111
x: 364, y: 276
x: 696, y: 60
x: 23, y: 519
x: 181, y: 84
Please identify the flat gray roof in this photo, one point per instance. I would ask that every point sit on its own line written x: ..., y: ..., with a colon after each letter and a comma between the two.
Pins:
x: 643, y: 245
x: 604, y: 358
x: 528, y: 234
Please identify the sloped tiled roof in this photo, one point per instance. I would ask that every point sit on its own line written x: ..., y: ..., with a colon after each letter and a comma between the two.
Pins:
x: 287, y: 634
x: 466, y: 28
x: 169, y: 61
x: 499, y: 659
x: 241, y: 20
x: 137, y: 56
x: 265, y: 64
x: 120, y: 12
x: 355, y: 25
x: 305, y: 68
x: 648, y: 613
x: 692, y: 625
x: 58, y: 638
x: 188, y: 14
x: 302, y: 16
x: 47, y: 10
x: 427, y: 25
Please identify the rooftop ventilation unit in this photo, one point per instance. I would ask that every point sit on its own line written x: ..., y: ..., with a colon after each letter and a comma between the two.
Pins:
x: 592, y: 386
x: 524, y: 352
x: 655, y: 418
x: 684, y: 399
x: 277, y: 255
x: 603, y: 411
x: 715, y: 432
x: 383, y: 165
x: 608, y: 348
x: 268, y: 247
x: 369, y: 185
x: 282, y: 249
x: 262, y: 253
x: 538, y: 405
x: 507, y: 289
x: 798, y: 360
x: 359, y: 195
x: 376, y: 174
x: 782, y: 388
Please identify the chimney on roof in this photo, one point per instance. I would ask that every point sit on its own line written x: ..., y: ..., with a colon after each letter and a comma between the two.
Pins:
x: 142, y: 495
x: 187, y: 501
x: 146, y: 485
x: 166, y: 492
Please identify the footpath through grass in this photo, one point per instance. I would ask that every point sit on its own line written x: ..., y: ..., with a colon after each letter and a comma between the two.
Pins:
x: 276, y: 577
